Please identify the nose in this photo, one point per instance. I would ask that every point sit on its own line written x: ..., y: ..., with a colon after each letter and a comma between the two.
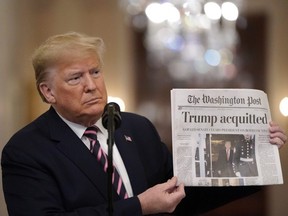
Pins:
x: 89, y: 83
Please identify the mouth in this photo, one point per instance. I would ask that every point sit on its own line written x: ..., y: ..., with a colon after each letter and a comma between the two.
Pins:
x: 92, y: 101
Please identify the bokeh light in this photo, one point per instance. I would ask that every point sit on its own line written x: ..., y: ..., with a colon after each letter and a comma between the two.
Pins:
x: 212, y: 57
x: 212, y: 10
x: 229, y: 11
x: 283, y: 106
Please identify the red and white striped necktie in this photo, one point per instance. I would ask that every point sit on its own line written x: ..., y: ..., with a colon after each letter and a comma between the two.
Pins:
x: 95, y: 148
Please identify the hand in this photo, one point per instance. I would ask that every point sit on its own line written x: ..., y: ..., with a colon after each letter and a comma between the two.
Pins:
x: 162, y: 197
x: 277, y: 135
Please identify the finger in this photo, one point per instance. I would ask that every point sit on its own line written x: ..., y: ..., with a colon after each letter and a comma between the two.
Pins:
x: 180, y: 188
x: 178, y: 193
x: 275, y: 128
x: 277, y: 131
x: 279, y: 135
x: 176, y: 187
x: 173, y: 180
x: 277, y: 141
x: 271, y: 123
x: 170, y: 184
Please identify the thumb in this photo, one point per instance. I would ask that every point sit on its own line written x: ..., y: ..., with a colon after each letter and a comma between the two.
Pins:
x: 171, y: 183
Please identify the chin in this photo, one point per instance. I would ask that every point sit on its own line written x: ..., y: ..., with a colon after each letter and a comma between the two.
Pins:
x: 96, y: 111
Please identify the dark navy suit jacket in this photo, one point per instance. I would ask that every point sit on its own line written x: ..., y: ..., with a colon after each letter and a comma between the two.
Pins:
x: 47, y: 170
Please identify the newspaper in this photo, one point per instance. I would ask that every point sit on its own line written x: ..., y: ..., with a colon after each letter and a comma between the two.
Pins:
x: 220, y: 137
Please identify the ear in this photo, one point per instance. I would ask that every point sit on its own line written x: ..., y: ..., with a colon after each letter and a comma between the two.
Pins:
x: 47, y: 92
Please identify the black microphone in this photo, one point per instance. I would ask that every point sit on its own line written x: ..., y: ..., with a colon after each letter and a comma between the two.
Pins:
x: 111, y: 120
x: 113, y: 110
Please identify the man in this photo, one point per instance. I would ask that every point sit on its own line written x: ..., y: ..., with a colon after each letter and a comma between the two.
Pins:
x: 245, y: 162
x: 50, y: 167
x: 225, y: 161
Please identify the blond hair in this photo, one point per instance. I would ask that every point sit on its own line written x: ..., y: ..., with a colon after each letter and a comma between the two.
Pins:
x: 59, y: 48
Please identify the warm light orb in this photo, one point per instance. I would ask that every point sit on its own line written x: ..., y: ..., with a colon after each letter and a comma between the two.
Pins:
x: 283, y: 106
x: 155, y: 13
x: 229, y: 11
x: 158, y: 13
x: 212, y: 10
x: 172, y: 14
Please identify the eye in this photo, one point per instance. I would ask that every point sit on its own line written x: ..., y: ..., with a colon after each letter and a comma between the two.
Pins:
x: 74, y: 80
x: 95, y: 72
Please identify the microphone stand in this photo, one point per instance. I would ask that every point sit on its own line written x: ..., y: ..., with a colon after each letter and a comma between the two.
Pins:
x: 110, y: 142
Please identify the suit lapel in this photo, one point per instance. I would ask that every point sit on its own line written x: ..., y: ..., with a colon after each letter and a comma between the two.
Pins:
x: 74, y: 149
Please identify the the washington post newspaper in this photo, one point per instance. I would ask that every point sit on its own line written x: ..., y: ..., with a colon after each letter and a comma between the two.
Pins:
x: 220, y: 137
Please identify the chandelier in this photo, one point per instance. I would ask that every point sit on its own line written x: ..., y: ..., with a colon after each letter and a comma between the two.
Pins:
x: 190, y: 38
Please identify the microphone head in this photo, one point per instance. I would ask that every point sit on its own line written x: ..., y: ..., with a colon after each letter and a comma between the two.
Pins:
x: 111, y: 108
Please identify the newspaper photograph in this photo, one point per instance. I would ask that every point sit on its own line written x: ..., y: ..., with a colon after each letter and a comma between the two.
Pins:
x: 220, y: 137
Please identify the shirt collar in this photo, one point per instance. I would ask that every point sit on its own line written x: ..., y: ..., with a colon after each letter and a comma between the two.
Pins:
x: 80, y: 129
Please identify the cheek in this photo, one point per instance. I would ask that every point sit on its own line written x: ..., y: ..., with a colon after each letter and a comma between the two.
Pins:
x: 68, y: 95
x: 102, y: 88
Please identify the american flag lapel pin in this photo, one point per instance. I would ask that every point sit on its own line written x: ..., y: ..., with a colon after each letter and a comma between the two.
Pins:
x: 128, y: 138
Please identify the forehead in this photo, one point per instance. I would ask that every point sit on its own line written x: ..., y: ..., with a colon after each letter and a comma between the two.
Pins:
x: 86, y: 59
x: 70, y: 56
x: 74, y: 63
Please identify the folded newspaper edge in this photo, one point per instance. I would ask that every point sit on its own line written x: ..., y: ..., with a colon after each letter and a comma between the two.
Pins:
x: 220, y: 137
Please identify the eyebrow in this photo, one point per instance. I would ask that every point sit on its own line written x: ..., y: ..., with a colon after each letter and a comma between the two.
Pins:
x: 75, y: 72
x: 94, y: 68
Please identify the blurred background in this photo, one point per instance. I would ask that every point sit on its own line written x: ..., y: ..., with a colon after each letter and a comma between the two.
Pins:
x: 152, y: 47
